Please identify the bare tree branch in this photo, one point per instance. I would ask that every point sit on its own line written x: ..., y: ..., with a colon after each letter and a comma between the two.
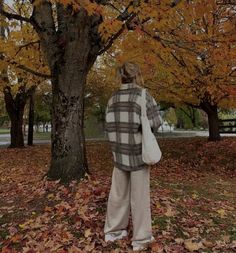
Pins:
x: 26, y: 45
x: 34, y: 72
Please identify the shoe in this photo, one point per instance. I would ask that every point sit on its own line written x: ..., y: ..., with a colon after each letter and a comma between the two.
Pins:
x: 115, y: 236
x: 137, y: 246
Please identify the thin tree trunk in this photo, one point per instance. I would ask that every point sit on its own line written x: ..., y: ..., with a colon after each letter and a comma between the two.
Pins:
x: 213, y: 121
x: 193, y: 117
x: 31, y: 119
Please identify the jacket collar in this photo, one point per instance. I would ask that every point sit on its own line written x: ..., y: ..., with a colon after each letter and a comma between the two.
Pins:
x: 126, y: 86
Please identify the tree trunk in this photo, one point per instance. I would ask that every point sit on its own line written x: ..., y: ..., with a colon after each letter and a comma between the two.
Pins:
x: 31, y: 119
x: 17, y: 137
x: 213, y: 121
x: 193, y: 117
x: 15, y: 109
x: 68, y: 161
x: 70, y: 52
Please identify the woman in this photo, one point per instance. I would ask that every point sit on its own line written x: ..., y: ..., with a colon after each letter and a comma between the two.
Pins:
x: 130, y: 187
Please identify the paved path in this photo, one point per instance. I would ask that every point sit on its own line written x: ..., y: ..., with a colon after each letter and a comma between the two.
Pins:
x: 5, y: 138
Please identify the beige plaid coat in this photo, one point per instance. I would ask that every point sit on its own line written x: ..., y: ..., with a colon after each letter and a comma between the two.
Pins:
x: 123, y: 125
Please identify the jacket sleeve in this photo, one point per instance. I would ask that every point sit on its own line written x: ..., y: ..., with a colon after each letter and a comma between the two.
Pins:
x: 153, y: 113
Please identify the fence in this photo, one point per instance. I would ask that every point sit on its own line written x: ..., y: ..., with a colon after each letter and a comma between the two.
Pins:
x: 227, y: 126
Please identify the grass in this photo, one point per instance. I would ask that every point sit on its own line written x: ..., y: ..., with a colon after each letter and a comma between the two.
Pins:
x: 42, y: 136
x: 4, y: 131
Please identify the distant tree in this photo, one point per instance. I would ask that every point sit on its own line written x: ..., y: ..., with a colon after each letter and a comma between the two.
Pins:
x: 192, y: 113
x: 20, y: 66
x: 43, y: 109
x: 170, y: 117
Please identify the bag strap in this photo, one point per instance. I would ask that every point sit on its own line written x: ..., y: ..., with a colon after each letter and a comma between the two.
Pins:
x: 143, y: 103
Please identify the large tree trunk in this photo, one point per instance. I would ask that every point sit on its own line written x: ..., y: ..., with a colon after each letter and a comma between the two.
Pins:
x: 68, y: 160
x: 70, y: 51
x: 69, y: 75
x: 31, y: 118
x: 213, y: 120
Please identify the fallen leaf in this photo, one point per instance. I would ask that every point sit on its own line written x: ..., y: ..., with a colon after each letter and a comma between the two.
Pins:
x: 193, y: 246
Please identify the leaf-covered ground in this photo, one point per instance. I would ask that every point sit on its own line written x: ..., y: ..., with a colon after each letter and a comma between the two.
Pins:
x: 193, y: 191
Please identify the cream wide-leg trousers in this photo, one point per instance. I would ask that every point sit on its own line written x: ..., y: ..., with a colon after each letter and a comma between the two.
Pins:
x: 130, y: 190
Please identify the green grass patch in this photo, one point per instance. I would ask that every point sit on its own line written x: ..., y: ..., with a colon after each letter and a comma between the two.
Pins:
x: 3, y: 234
x: 42, y: 136
x: 4, y: 131
x: 161, y: 222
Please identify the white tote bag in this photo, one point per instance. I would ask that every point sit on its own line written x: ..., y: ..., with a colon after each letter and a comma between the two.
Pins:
x: 151, y: 153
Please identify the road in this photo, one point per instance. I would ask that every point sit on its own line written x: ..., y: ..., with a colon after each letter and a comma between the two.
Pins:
x: 5, y: 138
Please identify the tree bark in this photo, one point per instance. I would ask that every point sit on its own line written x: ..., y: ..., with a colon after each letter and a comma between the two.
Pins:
x: 213, y: 120
x: 15, y: 109
x: 70, y: 52
x: 68, y: 159
x: 31, y: 118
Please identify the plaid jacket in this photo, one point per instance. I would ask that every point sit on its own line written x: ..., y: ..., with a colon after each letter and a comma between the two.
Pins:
x: 123, y: 125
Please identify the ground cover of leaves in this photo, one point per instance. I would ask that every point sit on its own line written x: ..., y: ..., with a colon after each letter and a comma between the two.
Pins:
x: 193, y: 192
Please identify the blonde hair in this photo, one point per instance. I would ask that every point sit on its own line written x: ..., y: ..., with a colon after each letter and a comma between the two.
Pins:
x: 130, y: 70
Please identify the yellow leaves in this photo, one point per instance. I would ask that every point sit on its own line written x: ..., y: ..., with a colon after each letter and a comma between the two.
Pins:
x: 3, y: 23
x: 21, y: 48
x: 50, y: 196
x: 195, y: 195
x: 22, y: 226
x: 222, y: 213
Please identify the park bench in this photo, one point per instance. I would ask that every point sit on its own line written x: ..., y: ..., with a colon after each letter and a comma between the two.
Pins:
x: 227, y: 126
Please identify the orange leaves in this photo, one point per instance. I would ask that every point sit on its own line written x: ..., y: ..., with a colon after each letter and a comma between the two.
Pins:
x: 109, y: 27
